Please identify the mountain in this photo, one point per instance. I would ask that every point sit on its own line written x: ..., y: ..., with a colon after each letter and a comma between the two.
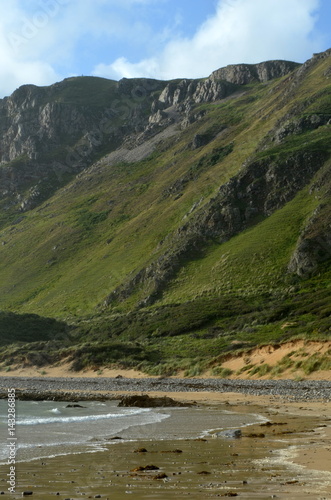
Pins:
x: 166, y: 223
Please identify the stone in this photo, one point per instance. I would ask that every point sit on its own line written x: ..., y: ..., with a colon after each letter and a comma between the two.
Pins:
x: 142, y: 468
x: 162, y: 475
x: 231, y: 434
x: 172, y: 451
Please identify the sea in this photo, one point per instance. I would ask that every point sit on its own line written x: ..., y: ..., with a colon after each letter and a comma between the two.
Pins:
x: 47, y: 429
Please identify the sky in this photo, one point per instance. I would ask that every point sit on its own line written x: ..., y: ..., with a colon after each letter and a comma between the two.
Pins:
x: 45, y: 41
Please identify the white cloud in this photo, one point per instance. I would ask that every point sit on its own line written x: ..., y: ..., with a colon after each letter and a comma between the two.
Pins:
x: 240, y: 31
x: 38, y: 36
x: 25, y: 37
x: 122, y: 68
x: 16, y: 71
x: 42, y: 41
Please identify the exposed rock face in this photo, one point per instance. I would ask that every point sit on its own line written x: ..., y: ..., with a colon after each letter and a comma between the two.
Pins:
x: 209, y: 90
x: 30, y: 125
x: 300, y: 125
x: 261, y: 188
x: 313, y: 247
x: 309, y: 253
x: 242, y: 74
x: 49, y: 134
x: 222, y: 82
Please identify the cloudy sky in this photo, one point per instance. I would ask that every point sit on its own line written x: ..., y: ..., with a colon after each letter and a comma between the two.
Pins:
x: 44, y: 41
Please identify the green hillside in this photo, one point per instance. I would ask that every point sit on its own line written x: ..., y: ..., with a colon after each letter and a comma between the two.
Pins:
x: 179, y: 242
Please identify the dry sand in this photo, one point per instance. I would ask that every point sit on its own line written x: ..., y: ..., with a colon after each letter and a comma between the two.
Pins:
x: 297, y: 350
x: 64, y: 370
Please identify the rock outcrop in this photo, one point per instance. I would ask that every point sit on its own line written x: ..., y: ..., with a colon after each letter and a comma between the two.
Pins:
x: 260, y: 188
x: 242, y: 74
x: 222, y: 83
x: 145, y: 401
x: 298, y: 126
x: 50, y: 134
x: 314, y: 244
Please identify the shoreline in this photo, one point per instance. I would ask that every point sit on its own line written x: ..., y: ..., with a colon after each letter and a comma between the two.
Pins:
x: 302, y: 445
x: 307, y: 390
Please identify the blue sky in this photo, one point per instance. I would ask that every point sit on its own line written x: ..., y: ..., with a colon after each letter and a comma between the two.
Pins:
x: 44, y: 41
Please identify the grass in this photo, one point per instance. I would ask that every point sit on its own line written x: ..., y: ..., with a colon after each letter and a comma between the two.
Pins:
x: 298, y: 362
x: 62, y: 259
x: 316, y: 363
x: 260, y: 370
x: 221, y: 372
x: 231, y: 267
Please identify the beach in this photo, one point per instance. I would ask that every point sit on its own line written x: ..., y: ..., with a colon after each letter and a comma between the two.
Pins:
x: 284, y: 450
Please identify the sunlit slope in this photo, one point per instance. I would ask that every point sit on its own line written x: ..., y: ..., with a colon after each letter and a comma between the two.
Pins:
x: 115, y: 219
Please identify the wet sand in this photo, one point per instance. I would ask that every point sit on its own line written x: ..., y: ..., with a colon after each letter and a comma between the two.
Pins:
x: 290, y: 458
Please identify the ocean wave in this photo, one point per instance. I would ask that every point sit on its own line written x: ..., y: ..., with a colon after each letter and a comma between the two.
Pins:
x: 85, y: 418
x: 92, y: 449
x: 55, y: 410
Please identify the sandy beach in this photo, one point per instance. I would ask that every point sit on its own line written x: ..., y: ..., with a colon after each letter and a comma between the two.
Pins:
x: 288, y: 455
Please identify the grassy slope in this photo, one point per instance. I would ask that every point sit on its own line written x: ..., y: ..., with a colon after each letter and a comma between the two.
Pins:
x: 59, y: 254
x: 63, y: 259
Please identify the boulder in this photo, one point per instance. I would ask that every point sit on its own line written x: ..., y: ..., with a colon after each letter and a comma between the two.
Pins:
x: 231, y: 433
x: 144, y: 401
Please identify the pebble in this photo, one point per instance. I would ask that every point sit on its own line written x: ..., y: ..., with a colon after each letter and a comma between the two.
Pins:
x: 41, y: 388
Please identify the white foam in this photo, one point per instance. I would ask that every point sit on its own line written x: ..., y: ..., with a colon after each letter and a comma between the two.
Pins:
x: 85, y: 418
x: 55, y: 410
x: 286, y: 458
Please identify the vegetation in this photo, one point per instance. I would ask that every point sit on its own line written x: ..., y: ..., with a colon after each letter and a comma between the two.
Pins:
x: 106, y: 229
x: 29, y: 328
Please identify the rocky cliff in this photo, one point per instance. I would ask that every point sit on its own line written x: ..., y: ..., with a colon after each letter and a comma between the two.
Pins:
x: 50, y: 134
